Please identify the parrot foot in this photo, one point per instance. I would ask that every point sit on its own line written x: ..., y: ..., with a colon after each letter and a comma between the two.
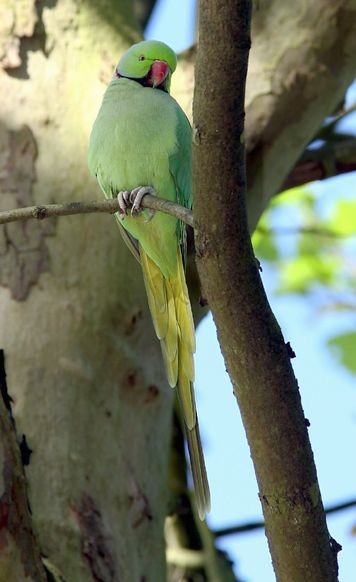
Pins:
x: 136, y: 197
x: 124, y: 202
x: 133, y: 198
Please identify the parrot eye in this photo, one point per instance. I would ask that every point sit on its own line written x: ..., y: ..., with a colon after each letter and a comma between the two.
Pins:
x: 141, y: 58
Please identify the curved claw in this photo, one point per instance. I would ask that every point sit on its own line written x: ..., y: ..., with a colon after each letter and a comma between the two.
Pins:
x: 133, y: 198
x: 123, y: 199
x: 136, y: 197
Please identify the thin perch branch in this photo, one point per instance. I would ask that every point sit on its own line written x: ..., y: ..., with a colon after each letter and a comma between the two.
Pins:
x: 260, y: 524
x: 309, y: 168
x: 105, y: 206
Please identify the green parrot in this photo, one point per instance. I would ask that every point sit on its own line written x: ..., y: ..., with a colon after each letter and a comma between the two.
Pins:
x: 141, y: 143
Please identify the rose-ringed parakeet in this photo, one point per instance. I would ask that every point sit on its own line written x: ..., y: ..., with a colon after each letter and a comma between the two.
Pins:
x: 141, y: 143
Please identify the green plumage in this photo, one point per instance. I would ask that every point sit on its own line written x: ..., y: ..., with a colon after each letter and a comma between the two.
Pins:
x: 141, y: 137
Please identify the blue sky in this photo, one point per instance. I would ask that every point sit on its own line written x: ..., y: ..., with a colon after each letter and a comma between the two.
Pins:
x: 328, y: 393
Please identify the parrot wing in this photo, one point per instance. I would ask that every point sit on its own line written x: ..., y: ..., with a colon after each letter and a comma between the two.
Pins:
x: 130, y: 241
x: 180, y: 167
x: 181, y: 170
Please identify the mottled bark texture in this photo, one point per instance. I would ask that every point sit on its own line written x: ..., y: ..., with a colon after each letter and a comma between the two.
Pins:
x: 255, y: 354
x: 301, y: 67
x: 84, y: 368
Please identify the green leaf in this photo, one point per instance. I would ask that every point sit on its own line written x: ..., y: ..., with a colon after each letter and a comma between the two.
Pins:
x: 298, y: 195
x: 264, y: 245
x: 344, y: 347
x: 344, y: 219
x: 304, y: 271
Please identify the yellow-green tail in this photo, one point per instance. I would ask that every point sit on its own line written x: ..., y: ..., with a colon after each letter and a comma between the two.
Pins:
x: 173, y: 322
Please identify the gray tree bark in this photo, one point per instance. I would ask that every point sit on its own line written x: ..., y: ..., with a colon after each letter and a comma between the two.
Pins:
x: 84, y: 369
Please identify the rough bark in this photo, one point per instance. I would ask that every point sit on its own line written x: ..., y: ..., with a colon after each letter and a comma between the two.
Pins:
x: 255, y: 353
x: 19, y: 552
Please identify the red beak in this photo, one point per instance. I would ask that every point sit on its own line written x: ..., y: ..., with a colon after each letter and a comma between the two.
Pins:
x: 158, y: 74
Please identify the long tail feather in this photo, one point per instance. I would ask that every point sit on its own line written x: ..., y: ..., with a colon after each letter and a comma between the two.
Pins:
x: 173, y: 322
x: 200, y: 478
x: 156, y: 294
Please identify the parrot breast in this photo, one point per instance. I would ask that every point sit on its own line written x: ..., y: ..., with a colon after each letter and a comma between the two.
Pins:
x: 132, y: 140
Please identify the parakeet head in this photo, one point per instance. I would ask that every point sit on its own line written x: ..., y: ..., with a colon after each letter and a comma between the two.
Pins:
x: 150, y: 63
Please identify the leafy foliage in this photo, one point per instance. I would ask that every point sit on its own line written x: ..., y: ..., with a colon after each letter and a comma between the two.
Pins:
x: 344, y: 348
x: 308, y: 235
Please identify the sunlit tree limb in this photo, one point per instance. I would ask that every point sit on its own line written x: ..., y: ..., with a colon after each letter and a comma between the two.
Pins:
x: 41, y: 212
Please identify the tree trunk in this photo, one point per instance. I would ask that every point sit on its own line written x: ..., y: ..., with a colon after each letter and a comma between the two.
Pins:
x: 84, y: 369
x: 19, y: 555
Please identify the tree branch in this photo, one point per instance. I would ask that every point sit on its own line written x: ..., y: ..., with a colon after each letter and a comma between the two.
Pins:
x: 293, y: 231
x: 143, y: 10
x: 292, y: 89
x: 260, y: 524
x: 331, y: 159
x: 254, y: 350
x: 334, y: 158
x: 40, y: 212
